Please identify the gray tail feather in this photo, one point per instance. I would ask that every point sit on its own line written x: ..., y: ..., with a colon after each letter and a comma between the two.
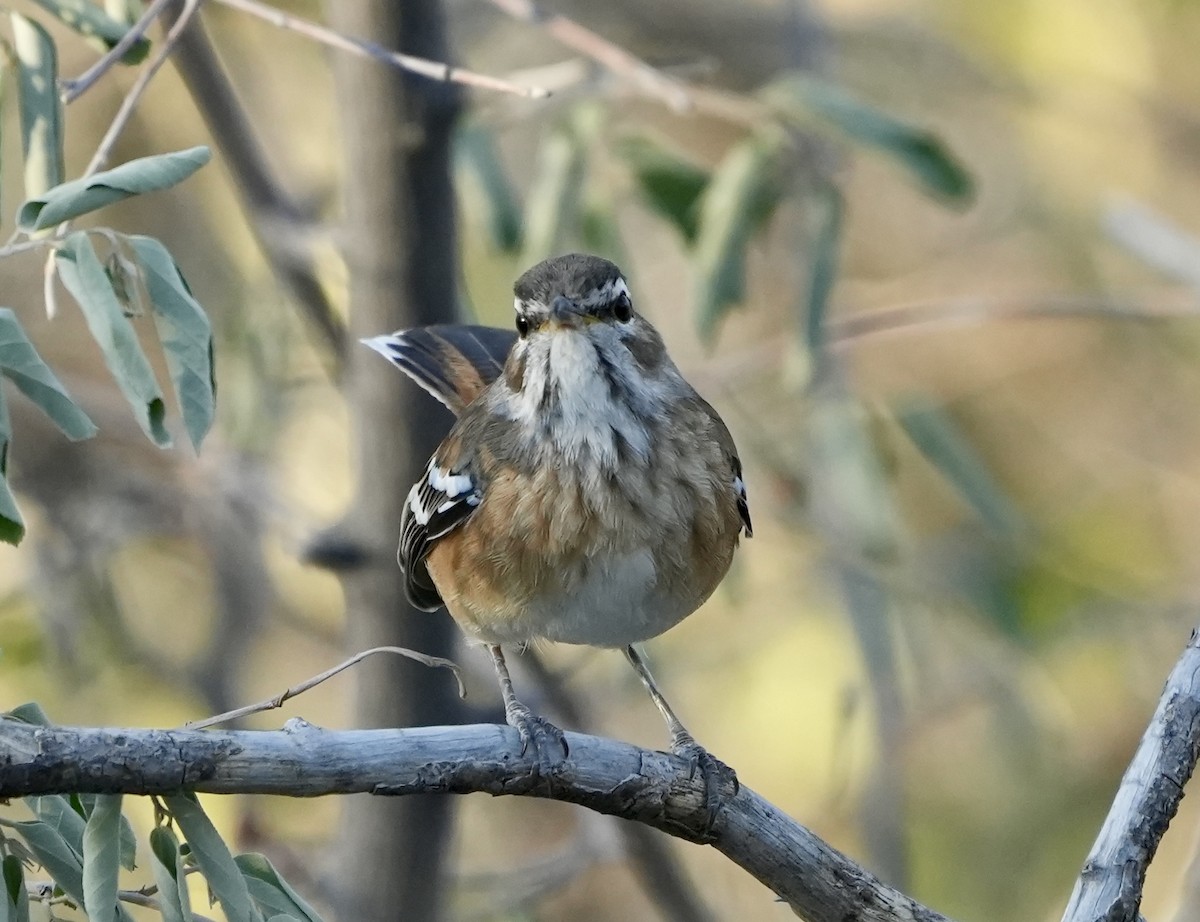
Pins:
x: 452, y: 362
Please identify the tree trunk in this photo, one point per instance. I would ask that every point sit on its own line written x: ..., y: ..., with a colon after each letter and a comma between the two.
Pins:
x: 399, y: 244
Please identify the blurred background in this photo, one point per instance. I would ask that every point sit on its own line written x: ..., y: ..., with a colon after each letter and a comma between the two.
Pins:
x: 936, y: 264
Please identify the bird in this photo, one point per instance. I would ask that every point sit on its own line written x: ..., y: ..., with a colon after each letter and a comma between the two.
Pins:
x: 586, y: 493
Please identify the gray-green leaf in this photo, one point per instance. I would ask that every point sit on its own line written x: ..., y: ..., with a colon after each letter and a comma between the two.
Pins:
x: 102, y: 858
x: 16, y: 898
x: 41, y: 109
x: 84, y: 276
x: 12, y: 525
x: 272, y: 893
x: 804, y: 99
x: 137, y: 177
x: 552, y: 205
x: 827, y: 208
x: 477, y: 157
x: 740, y: 198
x: 670, y: 185
x: 22, y: 365
x: 93, y: 23
x: 186, y: 336
x: 31, y: 713
x: 167, y: 865
x: 214, y: 858
x: 53, y: 854
x: 56, y: 812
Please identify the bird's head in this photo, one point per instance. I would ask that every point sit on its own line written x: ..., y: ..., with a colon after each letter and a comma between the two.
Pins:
x: 584, y: 354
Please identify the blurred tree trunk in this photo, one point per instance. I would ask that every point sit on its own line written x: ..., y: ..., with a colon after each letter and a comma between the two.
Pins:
x: 399, y: 244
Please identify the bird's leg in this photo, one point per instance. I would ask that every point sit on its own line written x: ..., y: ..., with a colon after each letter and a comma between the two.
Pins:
x: 549, y: 745
x: 716, y: 773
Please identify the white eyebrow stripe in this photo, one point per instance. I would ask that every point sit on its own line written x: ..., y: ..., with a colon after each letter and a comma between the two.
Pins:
x: 606, y: 293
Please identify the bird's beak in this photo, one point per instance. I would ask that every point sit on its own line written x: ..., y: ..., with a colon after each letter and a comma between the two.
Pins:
x: 566, y: 314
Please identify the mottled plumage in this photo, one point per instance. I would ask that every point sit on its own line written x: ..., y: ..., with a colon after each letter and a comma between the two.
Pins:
x: 586, y: 494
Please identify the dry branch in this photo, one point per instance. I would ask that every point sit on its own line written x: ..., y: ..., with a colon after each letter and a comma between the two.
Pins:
x: 614, y: 778
x: 1110, y: 886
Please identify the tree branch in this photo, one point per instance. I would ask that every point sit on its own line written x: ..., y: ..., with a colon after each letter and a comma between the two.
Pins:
x: 1110, y: 886
x: 607, y: 776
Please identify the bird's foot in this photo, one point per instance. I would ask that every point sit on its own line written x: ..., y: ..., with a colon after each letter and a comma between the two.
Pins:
x: 547, y: 741
x: 718, y: 777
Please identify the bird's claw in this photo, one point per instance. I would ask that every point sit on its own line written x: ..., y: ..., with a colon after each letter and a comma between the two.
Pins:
x: 547, y: 741
x: 718, y: 777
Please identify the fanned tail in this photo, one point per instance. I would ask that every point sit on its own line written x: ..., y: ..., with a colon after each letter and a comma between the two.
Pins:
x: 453, y: 362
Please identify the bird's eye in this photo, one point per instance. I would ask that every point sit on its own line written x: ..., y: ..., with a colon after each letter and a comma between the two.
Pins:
x: 522, y: 325
x: 623, y: 308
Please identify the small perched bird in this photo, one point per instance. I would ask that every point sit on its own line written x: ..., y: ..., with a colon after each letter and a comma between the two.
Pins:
x: 586, y: 494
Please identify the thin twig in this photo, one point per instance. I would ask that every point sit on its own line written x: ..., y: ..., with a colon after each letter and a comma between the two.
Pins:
x: 133, y: 97
x: 138, y: 898
x: 582, y: 39
x: 73, y: 89
x: 268, y: 704
x: 434, y: 70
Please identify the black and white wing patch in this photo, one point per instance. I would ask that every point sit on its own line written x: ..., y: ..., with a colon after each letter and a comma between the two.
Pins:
x: 743, y: 505
x: 437, y: 504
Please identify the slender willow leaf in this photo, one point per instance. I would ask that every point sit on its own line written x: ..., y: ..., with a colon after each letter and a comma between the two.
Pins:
x: 126, y: 12
x: 477, y: 157
x: 272, y: 893
x: 102, y: 858
x: 30, y: 713
x: 93, y: 23
x: 16, y: 897
x: 670, y: 185
x: 823, y: 265
x: 21, y: 364
x: 743, y: 194
x: 53, y: 854
x: 167, y: 865
x: 214, y: 859
x: 56, y: 812
x: 926, y: 158
x: 41, y: 109
x: 553, y: 203
x: 84, y: 804
x: 137, y: 177
x: 936, y: 435
x: 186, y: 336
x: 84, y: 276
x: 12, y: 525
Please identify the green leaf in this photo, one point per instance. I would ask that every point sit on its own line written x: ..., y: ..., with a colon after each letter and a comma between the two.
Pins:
x: 272, y: 893
x: 41, y: 109
x: 16, y: 897
x: 553, y: 203
x: 102, y: 858
x: 84, y: 804
x: 186, y: 336
x: 53, y: 854
x: 21, y: 364
x: 802, y: 99
x: 84, y: 276
x: 137, y: 177
x: 125, y: 12
x: 12, y: 525
x: 167, y: 865
x: 670, y: 185
x: 939, y: 439
x: 93, y: 23
x: 30, y: 713
x: 743, y: 194
x: 827, y: 206
x: 477, y: 157
x: 213, y: 857
x: 56, y: 812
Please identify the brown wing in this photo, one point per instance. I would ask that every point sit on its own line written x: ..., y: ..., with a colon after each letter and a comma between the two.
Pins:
x: 438, y: 503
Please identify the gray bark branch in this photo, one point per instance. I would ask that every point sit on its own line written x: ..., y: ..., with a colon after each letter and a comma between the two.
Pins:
x: 653, y: 788
x: 1110, y: 886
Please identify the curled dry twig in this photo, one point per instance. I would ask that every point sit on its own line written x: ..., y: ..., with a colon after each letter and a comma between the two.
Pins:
x: 268, y: 704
